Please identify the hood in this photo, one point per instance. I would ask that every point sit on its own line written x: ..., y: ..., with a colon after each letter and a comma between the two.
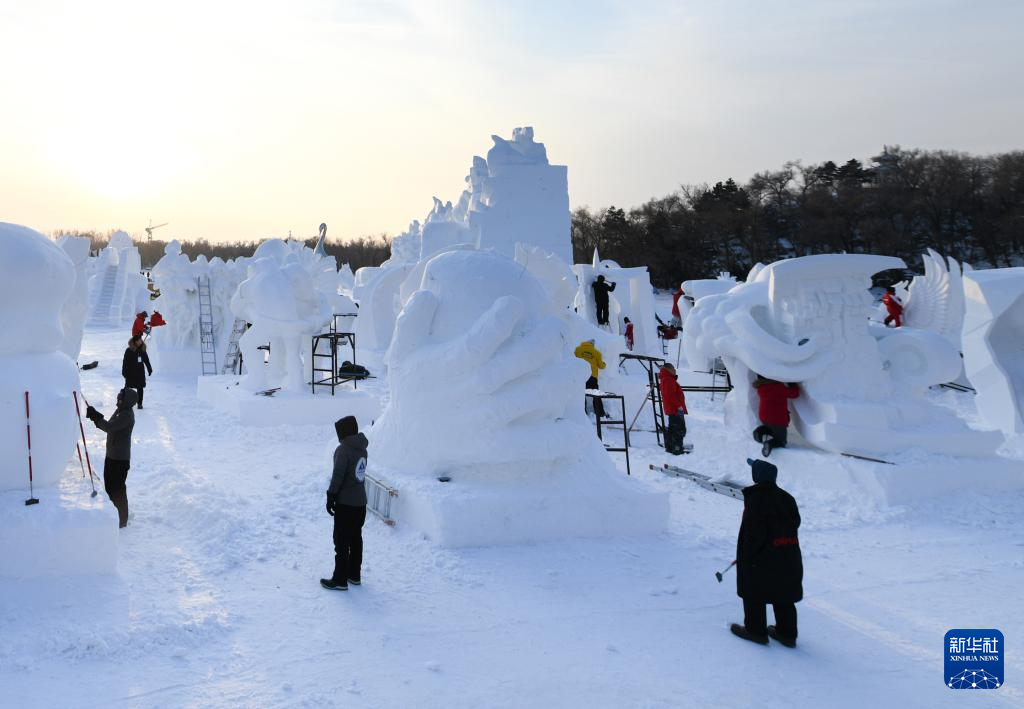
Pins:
x: 762, y: 471
x: 356, y: 443
x: 129, y: 398
x: 345, y: 427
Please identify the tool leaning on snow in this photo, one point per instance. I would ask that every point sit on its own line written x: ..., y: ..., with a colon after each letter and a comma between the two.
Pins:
x: 725, y: 487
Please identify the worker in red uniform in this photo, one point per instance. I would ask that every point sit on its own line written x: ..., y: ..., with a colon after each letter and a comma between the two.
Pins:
x: 893, y: 307
x: 139, y: 326
x: 157, y: 320
x: 677, y: 318
x: 773, y: 411
x: 673, y: 402
x: 629, y: 334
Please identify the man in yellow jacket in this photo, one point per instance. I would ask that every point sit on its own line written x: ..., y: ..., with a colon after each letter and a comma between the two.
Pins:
x: 592, y: 356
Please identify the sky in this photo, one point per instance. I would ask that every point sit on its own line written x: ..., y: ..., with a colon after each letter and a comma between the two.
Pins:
x: 244, y: 120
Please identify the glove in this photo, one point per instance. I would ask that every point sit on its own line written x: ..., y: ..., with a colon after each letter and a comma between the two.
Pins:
x: 330, y: 505
x: 91, y: 413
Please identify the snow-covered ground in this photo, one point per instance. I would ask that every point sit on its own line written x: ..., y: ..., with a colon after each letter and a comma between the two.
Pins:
x: 217, y: 601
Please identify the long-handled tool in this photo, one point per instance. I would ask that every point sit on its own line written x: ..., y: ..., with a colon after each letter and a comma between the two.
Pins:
x: 78, y: 449
x: 81, y: 428
x: 720, y: 574
x: 32, y: 500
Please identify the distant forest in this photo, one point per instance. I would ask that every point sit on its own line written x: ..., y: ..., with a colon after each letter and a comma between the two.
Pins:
x: 904, y: 201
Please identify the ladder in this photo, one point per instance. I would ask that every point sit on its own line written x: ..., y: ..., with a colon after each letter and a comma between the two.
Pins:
x: 233, y: 353
x: 724, y: 487
x: 206, y: 343
x: 378, y: 499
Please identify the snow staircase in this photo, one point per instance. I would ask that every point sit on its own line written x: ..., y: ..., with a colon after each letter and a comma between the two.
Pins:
x: 105, y: 299
x: 207, y: 346
x: 725, y: 487
x: 378, y: 499
x: 233, y: 353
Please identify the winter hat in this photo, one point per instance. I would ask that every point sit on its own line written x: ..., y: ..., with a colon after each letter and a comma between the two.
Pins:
x: 669, y: 366
x: 762, y: 471
x: 127, y: 398
x: 346, y: 427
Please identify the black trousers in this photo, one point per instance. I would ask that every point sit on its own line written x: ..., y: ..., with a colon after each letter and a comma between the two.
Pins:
x: 598, y: 403
x: 115, y: 478
x: 675, y: 434
x: 755, y: 617
x: 348, y: 541
x: 602, y: 312
x: 779, y: 434
x: 138, y: 390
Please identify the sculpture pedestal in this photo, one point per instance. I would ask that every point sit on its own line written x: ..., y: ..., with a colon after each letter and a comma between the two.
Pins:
x: 67, y: 533
x: 285, y: 407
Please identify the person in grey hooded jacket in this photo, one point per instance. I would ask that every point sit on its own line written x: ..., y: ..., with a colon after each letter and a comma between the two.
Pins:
x: 346, y: 502
x: 119, y: 449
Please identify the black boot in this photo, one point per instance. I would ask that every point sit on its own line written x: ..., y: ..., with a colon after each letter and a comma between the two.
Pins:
x: 766, y: 446
x: 332, y: 585
x: 785, y: 640
x: 741, y: 631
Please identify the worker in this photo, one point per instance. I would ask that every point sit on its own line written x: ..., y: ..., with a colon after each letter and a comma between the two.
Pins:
x: 893, y: 307
x: 629, y: 334
x: 673, y: 403
x: 592, y: 356
x: 773, y: 411
x: 601, y: 290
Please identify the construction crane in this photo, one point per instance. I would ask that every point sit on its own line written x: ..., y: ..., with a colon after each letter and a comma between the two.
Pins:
x: 150, y: 228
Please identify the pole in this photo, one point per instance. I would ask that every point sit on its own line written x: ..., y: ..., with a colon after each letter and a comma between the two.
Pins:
x: 719, y: 574
x: 78, y: 449
x: 85, y: 445
x: 638, y: 411
x: 28, y: 431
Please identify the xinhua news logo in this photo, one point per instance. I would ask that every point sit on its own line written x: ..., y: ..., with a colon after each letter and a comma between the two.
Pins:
x: 974, y: 659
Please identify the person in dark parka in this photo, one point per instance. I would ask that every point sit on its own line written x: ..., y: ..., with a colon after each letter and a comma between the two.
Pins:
x: 769, y: 567
x: 601, y: 290
x: 119, y: 450
x: 346, y: 502
x: 135, y: 365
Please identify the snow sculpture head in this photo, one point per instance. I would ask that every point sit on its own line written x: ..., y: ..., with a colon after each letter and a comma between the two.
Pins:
x: 481, y: 373
x: 36, y: 277
x: 805, y: 320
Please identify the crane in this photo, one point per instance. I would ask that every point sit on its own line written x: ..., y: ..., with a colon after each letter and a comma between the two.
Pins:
x: 150, y: 228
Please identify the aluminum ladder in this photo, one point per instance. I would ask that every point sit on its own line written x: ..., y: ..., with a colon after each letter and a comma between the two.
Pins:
x: 233, y: 353
x: 207, y: 346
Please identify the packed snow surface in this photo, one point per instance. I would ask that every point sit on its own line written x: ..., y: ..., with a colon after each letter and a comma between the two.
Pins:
x: 216, y: 603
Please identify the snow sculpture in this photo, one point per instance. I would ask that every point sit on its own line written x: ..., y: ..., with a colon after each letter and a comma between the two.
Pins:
x: 405, y: 248
x: 992, y: 336
x: 441, y: 230
x: 522, y: 197
x: 119, y: 290
x: 935, y: 301
x: 76, y: 307
x: 805, y: 320
x: 36, y: 278
x: 377, y: 292
x: 633, y: 297
x: 346, y: 279
x: 484, y: 389
x: 554, y: 274
x: 279, y: 297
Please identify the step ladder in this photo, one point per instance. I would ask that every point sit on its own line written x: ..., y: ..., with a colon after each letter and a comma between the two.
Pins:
x: 207, y: 346
x: 378, y: 499
x: 723, y: 487
x: 233, y: 354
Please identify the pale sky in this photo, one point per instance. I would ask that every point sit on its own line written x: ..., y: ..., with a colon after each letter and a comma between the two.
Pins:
x: 249, y: 119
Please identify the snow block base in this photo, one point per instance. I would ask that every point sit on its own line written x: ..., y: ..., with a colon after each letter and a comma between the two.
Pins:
x: 913, y: 476
x: 224, y: 393
x: 62, y: 535
x: 469, y: 513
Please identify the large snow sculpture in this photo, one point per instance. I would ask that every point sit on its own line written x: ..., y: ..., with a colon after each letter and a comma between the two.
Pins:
x: 76, y: 307
x: 633, y: 297
x: 805, y: 320
x: 442, y: 230
x: 281, y: 301
x: 522, y: 197
x: 484, y: 390
x: 118, y: 291
x: 36, y: 277
x: 992, y: 342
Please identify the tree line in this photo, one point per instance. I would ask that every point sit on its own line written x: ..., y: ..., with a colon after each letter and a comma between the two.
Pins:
x: 363, y: 251
x: 904, y: 201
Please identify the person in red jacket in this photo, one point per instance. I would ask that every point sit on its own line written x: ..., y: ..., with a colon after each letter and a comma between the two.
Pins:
x: 893, y: 307
x: 677, y: 318
x: 773, y: 411
x: 157, y: 320
x: 139, y: 326
x: 629, y: 334
x: 673, y: 402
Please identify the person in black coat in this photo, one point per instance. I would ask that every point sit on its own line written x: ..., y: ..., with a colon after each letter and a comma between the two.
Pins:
x: 346, y: 502
x: 769, y: 567
x: 135, y: 365
x: 119, y: 450
x: 601, y: 290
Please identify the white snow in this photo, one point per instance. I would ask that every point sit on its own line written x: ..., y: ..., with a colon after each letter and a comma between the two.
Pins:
x: 216, y: 602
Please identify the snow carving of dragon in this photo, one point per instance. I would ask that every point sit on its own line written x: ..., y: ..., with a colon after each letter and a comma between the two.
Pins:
x: 806, y: 320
